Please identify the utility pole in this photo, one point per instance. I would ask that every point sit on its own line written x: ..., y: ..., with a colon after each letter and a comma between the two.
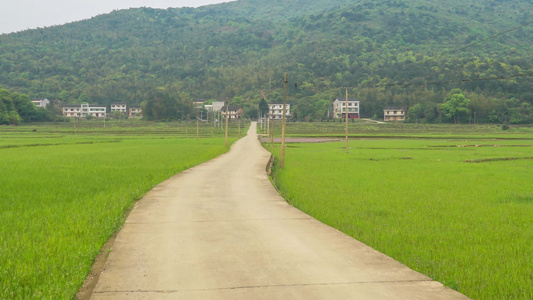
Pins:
x: 187, y: 127
x: 227, y: 115
x: 282, y: 162
x: 346, y: 115
x: 272, y: 124
x: 267, y: 119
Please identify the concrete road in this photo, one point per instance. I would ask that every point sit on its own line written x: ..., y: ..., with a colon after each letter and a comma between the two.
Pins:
x: 221, y: 231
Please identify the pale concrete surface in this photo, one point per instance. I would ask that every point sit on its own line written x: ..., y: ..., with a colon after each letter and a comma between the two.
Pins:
x: 221, y: 231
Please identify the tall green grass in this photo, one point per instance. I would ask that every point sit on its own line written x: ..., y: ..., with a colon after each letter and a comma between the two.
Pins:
x: 63, y: 196
x: 467, y: 225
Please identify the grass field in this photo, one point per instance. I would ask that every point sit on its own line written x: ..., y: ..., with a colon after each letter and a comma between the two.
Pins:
x: 64, y: 194
x: 362, y: 128
x: 454, y: 208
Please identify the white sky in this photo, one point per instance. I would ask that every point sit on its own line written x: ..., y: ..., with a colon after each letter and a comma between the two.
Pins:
x: 17, y: 15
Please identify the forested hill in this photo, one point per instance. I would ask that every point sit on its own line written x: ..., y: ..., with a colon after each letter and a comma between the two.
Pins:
x: 395, y: 52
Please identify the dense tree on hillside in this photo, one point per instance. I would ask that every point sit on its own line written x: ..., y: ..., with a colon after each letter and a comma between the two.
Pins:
x: 15, y: 108
x: 395, y: 52
x: 166, y: 104
x: 455, y: 106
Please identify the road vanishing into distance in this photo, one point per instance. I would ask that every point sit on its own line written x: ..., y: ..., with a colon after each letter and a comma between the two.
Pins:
x: 221, y: 231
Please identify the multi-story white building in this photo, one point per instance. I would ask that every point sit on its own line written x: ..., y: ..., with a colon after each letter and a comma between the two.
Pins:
x: 392, y: 114
x: 339, y: 109
x: 234, y: 112
x: 119, y: 106
x: 72, y: 111
x: 275, y: 110
x: 84, y: 110
x: 135, y: 111
x: 40, y: 102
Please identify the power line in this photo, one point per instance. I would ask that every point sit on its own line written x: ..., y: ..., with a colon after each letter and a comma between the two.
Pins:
x: 406, y: 84
x: 493, y: 36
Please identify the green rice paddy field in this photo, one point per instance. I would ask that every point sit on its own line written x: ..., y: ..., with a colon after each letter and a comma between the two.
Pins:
x: 65, y: 191
x: 452, y: 202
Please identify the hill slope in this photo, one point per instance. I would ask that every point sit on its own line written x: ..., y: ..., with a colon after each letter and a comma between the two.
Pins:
x: 240, y: 48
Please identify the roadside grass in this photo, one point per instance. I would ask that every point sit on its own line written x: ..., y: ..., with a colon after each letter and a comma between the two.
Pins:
x: 62, y: 200
x: 467, y: 225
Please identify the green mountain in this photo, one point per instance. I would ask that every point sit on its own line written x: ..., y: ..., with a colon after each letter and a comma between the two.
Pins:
x: 391, y: 53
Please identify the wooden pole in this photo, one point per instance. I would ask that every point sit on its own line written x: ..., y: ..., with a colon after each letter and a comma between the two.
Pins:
x: 346, y: 116
x: 197, y: 128
x: 272, y: 129
x: 283, y: 117
x: 227, y: 116
x: 268, y: 124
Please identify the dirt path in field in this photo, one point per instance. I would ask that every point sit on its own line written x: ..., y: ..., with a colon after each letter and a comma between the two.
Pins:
x: 221, y: 231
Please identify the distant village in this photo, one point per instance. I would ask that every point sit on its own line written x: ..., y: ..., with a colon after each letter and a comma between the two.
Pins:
x: 275, y: 110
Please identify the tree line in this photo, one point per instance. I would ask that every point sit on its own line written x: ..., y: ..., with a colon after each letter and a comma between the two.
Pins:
x: 16, y: 108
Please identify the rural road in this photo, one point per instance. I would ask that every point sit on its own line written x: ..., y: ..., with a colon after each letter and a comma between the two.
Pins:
x: 221, y: 231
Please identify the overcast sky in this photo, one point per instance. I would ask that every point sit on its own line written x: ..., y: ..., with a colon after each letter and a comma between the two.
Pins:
x: 17, y: 15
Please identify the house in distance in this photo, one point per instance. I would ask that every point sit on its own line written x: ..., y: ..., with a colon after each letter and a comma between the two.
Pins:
x: 395, y: 114
x: 275, y: 110
x: 122, y: 107
x: 339, y: 109
x: 135, y: 111
x: 84, y: 110
x: 234, y: 112
x: 40, y: 102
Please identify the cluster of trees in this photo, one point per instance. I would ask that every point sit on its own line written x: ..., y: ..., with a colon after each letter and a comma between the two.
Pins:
x: 16, y: 108
x: 393, y: 53
x: 474, y: 108
x: 168, y: 104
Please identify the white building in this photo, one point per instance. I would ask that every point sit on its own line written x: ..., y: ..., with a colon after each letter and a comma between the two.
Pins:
x: 84, y: 110
x: 275, y: 110
x: 392, y: 114
x: 119, y: 106
x: 339, y: 109
x: 72, y: 111
x: 40, y: 102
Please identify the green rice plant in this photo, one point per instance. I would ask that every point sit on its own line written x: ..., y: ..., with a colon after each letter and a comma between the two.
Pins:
x: 467, y: 225
x: 62, y: 199
x: 365, y: 129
